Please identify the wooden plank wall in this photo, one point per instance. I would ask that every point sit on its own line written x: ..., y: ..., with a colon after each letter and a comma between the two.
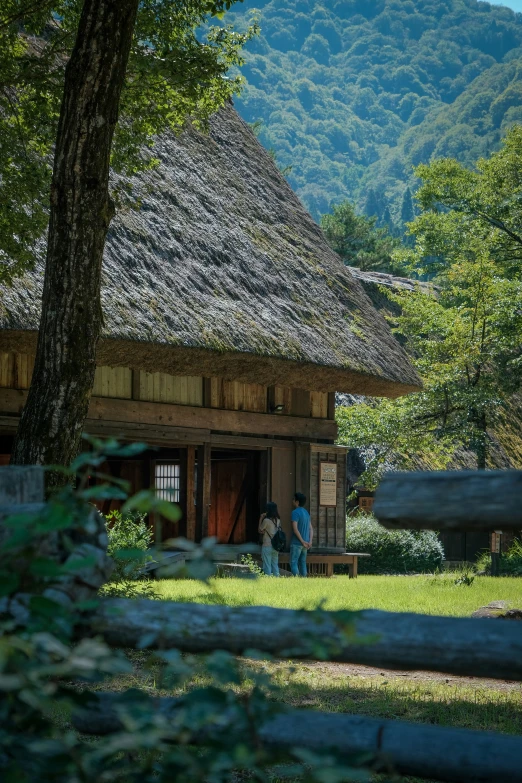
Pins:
x: 237, y: 396
x: 113, y: 382
x: 319, y: 405
x: 16, y: 370
x: 124, y: 383
x: 329, y: 522
x: 160, y: 387
x: 299, y: 402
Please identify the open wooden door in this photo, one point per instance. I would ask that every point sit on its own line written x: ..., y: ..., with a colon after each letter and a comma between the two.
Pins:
x: 228, y: 500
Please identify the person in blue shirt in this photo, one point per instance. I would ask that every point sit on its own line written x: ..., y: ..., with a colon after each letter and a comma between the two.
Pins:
x: 302, y: 536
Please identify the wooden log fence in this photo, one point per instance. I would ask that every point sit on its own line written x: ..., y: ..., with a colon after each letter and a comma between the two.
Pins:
x: 408, y: 748
x: 467, y: 500
x: 482, y: 648
x: 473, y: 647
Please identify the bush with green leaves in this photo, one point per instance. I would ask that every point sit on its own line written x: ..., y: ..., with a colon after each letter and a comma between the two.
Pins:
x: 51, y: 669
x: 392, y: 551
x: 130, y: 538
x: 130, y: 542
x: 510, y: 562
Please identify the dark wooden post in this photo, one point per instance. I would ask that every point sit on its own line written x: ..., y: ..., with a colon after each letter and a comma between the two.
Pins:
x: 264, y: 477
x: 495, y: 547
x: 301, y: 402
x: 302, y: 470
x: 331, y: 405
x: 203, y: 489
x: 190, y: 493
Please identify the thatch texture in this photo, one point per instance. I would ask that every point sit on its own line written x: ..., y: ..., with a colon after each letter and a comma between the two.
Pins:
x: 223, y: 272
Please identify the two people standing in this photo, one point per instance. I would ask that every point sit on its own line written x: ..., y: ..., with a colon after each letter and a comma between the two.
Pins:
x: 301, y: 541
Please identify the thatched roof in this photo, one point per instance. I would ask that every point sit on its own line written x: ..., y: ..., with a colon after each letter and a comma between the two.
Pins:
x: 223, y: 272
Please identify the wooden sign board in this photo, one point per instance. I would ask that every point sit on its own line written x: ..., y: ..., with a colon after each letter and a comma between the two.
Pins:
x: 328, y: 484
x: 366, y: 504
x: 495, y: 541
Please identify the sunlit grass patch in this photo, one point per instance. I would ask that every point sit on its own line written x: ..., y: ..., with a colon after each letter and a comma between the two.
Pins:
x: 426, y: 594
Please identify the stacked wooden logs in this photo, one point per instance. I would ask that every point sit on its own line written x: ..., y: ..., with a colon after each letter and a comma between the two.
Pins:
x: 472, y: 647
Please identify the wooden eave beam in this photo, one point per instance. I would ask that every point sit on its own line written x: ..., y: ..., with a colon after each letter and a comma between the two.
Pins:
x: 164, y: 415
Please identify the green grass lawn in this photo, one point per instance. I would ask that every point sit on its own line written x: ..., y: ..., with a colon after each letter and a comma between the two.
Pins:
x: 437, y: 595
x: 330, y: 687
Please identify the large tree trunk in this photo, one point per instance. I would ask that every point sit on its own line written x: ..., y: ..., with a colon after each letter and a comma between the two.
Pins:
x: 81, y: 211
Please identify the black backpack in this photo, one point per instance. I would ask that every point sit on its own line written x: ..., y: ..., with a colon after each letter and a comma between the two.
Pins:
x: 278, y: 539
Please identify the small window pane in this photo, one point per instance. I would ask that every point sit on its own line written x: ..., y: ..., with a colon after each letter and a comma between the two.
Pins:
x: 167, y: 478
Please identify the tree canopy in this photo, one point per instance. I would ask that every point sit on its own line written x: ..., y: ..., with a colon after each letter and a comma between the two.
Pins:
x: 171, y: 75
x: 355, y: 93
x: 465, y: 335
x: 357, y: 240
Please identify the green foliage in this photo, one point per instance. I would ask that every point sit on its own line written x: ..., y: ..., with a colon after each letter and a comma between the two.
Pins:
x: 472, y: 210
x: 357, y: 241
x: 392, y: 551
x: 355, y: 93
x: 127, y: 532
x: 253, y: 566
x: 465, y: 335
x: 510, y: 562
x: 466, y: 578
x: 130, y: 539
x: 171, y: 76
x: 393, y: 433
x: 46, y: 676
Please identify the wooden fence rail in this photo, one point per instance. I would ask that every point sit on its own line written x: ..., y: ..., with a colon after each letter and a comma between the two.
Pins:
x: 457, y: 755
x: 474, y: 500
x: 480, y: 648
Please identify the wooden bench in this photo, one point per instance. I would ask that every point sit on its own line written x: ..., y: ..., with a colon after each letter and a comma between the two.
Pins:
x: 347, y: 558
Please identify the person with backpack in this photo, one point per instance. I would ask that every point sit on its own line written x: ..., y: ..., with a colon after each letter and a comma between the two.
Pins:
x: 274, y: 540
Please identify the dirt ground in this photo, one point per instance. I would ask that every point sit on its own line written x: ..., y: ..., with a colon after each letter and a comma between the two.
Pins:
x: 347, y: 670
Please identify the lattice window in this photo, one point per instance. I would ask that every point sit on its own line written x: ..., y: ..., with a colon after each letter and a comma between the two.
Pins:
x: 167, y: 481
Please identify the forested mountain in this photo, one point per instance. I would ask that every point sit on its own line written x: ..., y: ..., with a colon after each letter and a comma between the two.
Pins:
x: 353, y: 93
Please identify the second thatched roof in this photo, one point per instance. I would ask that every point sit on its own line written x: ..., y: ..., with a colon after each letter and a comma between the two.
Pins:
x: 223, y: 272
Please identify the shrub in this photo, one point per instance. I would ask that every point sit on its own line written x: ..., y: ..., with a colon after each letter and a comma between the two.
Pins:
x: 510, y: 563
x: 129, y: 539
x: 392, y: 551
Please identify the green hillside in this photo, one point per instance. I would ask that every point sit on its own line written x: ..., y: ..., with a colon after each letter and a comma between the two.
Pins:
x: 353, y: 93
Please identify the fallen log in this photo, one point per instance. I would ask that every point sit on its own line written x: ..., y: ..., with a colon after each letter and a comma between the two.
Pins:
x: 472, y: 647
x: 476, y: 500
x: 435, y: 752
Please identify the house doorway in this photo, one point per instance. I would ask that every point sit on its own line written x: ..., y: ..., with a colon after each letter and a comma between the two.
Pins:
x: 236, y: 494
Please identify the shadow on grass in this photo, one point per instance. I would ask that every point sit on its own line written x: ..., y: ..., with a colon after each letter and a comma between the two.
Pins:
x: 436, y: 703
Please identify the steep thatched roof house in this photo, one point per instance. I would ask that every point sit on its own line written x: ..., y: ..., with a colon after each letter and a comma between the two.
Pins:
x: 229, y: 325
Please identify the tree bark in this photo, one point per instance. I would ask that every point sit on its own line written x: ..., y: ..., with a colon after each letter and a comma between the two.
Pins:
x: 469, y: 646
x: 81, y: 210
x: 458, y: 755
